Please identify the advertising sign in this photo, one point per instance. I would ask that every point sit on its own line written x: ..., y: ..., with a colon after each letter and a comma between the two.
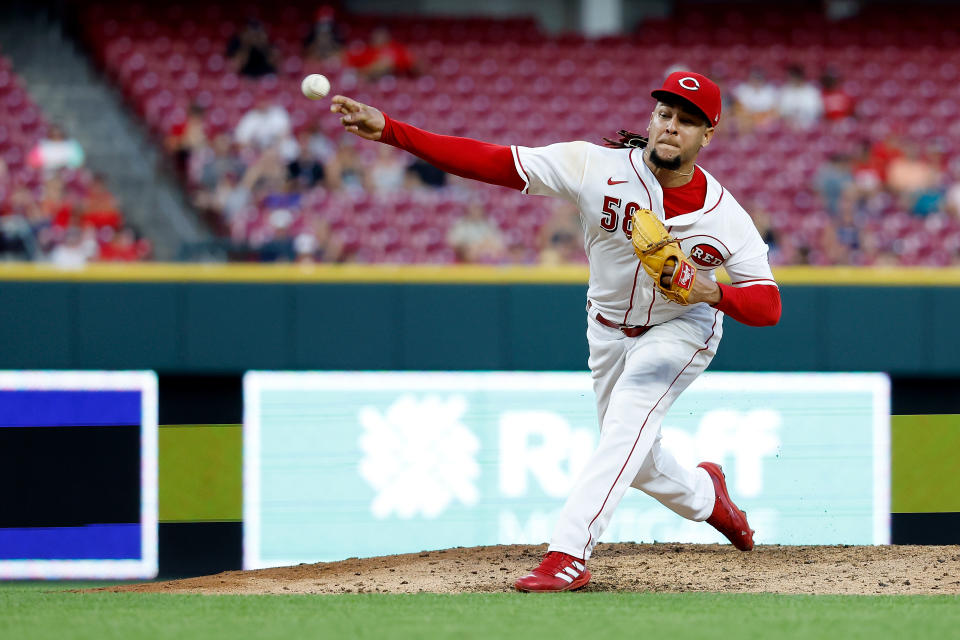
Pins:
x: 364, y: 464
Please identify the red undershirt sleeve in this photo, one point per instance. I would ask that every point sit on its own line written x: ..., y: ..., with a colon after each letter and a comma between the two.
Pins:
x: 756, y: 306
x: 465, y: 157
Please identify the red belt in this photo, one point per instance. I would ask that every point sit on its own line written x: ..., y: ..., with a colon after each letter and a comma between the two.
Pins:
x: 628, y: 330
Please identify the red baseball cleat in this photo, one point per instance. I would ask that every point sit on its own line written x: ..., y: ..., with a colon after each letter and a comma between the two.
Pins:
x: 557, y: 572
x: 726, y: 517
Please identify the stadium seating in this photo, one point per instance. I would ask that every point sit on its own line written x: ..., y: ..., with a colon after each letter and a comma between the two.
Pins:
x: 22, y: 126
x: 504, y: 81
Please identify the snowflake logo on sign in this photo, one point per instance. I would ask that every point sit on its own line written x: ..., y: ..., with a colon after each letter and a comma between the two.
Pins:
x: 419, y: 456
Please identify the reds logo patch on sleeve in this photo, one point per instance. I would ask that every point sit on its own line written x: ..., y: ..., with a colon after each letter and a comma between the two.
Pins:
x: 706, y: 255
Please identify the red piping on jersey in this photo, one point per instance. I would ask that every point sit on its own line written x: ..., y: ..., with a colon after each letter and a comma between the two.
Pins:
x: 653, y: 299
x: 634, y: 167
x: 645, y: 420
x: 633, y: 292
x: 754, y: 280
x: 703, y: 235
x: 526, y: 175
x: 718, y: 201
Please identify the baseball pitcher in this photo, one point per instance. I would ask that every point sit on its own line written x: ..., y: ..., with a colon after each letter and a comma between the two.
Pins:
x: 655, y: 228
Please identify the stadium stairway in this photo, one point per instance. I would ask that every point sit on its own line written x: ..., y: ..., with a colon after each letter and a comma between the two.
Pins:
x: 72, y: 93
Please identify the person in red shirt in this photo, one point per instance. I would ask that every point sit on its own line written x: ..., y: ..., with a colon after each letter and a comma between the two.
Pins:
x: 837, y: 103
x: 122, y: 247
x: 383, y: 56
x: 100, y: 208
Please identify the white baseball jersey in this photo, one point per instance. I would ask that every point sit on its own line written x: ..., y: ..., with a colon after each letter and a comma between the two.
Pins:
x: 608, y: 185
x: 636, y: 380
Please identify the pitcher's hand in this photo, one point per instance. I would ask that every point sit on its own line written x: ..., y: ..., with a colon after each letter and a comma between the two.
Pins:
x: 704, y: 289
x: 357, y: 118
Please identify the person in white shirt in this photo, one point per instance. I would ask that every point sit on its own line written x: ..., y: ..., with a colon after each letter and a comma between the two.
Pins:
x: 800, y: 103
x: 756, y: 100
x: 267, y: 125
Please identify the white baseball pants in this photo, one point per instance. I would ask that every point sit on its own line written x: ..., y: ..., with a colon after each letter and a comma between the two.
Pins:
x: 636, y: 380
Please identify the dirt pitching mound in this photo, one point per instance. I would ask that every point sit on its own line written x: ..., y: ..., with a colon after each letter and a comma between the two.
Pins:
x: 615, y: 567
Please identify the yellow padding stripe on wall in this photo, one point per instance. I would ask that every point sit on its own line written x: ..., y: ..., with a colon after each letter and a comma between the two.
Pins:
x: 432, y: 274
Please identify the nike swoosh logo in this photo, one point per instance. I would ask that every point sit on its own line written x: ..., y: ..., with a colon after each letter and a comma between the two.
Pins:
x: 611, y: 181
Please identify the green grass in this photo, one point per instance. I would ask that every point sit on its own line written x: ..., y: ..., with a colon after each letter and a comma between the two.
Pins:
x: 34, y: 612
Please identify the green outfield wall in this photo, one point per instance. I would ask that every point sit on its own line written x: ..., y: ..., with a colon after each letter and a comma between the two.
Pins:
x: 190, y: 322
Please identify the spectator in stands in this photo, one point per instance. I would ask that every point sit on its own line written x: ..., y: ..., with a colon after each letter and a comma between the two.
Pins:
x: 57, y: 207
x: 325, y: 40
x: 423, y: 174
x: 476, y: 238
x: 868, y: 172
x: 321, y: 146
x: 78, y: 247
x: 764, y: 225
x: 345, y: 171
x: 230, y: 197
x: 830, y: 250
x: 756, y: 101
x: 250, y: 51
x: 265, y: 126
x: 847, y: 230
x: 56, y: 152
x: 837, y: 103
x: 265, y: 176
x: 915, y: 179
x: 279, y: 247
x: 307, y: 170
x: 560, y: 240
x: 210, y: 163
x: 383, y: 56
x: 16, y: 238
x: 315, y: 243
x: 100, y: 208
x: 388, y: 170
x: 871, y: 253
x: 282, y: 192
x: 883, y: 153
x: 833, y: 180
x: 187, y: 138
x: 799, y: 102
x: 22, y: 219
x: 122, y: 246
x: 951, y: 197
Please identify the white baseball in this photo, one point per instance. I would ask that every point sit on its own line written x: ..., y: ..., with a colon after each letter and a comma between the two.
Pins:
x: 315, y: 86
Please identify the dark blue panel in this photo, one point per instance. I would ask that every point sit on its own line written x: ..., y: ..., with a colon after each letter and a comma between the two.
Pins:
x: 346, y: 326
x: 69, y: 408
x: 794, y: 344
x: 35, y: 322
x: 546, y: 327
x: 233, y: 327
x: 876, y: 329
x: 128, y: 326
x: 90, y: 542
x: 943, y: 345
x: 452, y: 327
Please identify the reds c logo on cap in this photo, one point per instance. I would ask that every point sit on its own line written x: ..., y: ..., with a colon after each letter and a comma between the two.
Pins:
x: 696, y: 88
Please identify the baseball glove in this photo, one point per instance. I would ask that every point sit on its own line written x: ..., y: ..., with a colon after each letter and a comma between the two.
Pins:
x: 656, y: 248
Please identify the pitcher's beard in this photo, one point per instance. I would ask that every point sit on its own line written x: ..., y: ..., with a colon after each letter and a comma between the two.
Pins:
x: 662, y: 163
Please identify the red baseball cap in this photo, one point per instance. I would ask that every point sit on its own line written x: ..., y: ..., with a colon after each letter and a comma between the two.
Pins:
x: 695, y: 88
